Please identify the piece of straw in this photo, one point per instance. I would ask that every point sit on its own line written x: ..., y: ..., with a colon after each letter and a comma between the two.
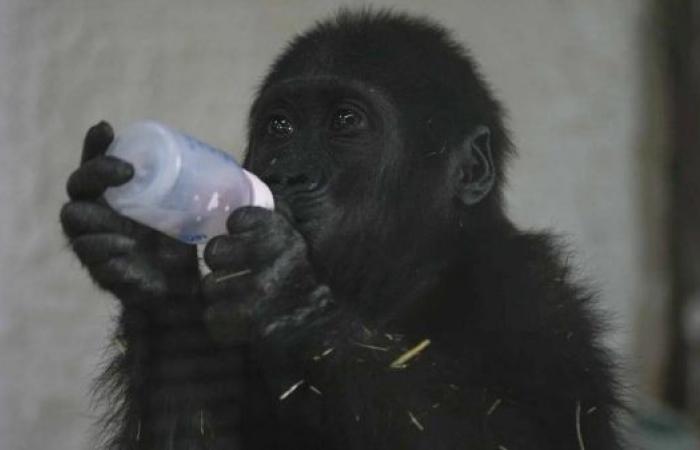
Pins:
x: 240, y: 273
x: 315, y: 389
x: 493, y: 407
x: 325, y: 353
x: 415, y: 421
x: 578, y: 426
x: 400, y: 362
x: 289, y: 391
x: 120, y: 345
x: 372, y: 347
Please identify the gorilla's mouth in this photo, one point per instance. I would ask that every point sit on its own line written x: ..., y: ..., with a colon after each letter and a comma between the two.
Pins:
x: 302, y: 207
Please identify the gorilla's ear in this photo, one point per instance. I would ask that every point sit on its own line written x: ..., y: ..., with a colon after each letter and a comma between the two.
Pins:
x: 477, y: 174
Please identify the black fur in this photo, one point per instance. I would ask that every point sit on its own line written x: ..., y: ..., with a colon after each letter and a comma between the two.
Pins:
x: 386, y: 152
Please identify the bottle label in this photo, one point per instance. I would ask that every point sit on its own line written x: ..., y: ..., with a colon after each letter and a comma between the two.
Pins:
x: 193, y: 238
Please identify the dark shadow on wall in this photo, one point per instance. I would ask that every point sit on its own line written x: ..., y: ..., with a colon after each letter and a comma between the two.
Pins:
x: 668, y: 195
x: 651, y: 165
x: 680, y: 24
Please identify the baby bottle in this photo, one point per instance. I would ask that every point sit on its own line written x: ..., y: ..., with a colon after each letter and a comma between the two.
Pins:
x: 181, y: 186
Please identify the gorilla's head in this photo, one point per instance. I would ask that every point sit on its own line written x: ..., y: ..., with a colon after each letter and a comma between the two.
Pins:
x: 377, y: 131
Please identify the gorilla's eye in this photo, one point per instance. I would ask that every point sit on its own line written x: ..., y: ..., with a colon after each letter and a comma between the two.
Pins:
x: 347, y: 119
x: 280, y: 126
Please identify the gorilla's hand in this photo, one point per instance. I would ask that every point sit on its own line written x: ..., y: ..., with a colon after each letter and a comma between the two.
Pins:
x: 262, y: 284
x: 136, y: 263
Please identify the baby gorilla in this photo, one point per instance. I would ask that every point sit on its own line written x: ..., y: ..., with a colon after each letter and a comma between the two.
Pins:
x: 387, y: 303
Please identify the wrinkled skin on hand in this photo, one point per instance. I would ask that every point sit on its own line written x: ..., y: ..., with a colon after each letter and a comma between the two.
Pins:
x: 136, y: 263
x: 166, y: 369
x: 262, y: 283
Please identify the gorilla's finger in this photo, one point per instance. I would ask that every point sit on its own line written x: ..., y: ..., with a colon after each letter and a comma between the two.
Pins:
x: 96, y: 141
x: 249, y: 218
x: 236, y: 286
x: 283, y: 208
x: 98, y: 248
x: 128, y: 276
x: 80, y: 218
x: 91, y: 179
x: 249, y: 250
x: 220, y: 252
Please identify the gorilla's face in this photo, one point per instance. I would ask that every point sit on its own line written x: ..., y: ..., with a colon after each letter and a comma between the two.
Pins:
x: 379, y: 151
x: 358, y: 170
x: 324, y: 146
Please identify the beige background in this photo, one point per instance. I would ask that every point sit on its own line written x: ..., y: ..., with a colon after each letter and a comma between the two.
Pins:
x: 578, y: 78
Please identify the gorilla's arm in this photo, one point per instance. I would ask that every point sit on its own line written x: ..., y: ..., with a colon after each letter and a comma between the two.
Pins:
x: 167, y: 384
x: 339, y: 381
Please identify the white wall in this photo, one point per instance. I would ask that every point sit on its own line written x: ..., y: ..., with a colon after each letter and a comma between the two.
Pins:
x: 570, y: 72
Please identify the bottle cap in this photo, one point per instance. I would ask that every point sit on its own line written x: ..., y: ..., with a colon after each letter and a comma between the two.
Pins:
x: 260, y: 193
